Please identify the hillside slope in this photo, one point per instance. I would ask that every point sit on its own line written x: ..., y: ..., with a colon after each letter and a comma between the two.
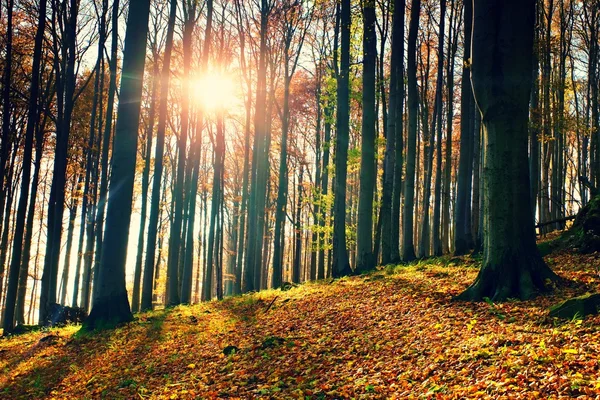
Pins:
x: 393, y: 334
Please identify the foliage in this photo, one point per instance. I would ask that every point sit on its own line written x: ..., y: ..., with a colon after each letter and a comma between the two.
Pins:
x: 392, y: 334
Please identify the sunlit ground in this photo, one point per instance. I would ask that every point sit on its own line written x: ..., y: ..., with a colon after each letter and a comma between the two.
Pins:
x: 393, y: 334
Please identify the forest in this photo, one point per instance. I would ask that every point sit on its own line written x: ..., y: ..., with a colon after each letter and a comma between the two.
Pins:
x: 299, y: 198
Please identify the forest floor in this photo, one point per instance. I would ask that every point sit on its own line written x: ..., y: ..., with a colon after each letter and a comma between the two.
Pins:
x: 394, y: 333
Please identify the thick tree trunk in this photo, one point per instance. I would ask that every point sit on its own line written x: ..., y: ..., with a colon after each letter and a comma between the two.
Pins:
x: 502, y: 61
x: 365, y: 258
x: 111, y: 306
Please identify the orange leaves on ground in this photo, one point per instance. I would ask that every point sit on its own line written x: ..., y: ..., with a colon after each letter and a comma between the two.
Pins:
x: 390, y: 335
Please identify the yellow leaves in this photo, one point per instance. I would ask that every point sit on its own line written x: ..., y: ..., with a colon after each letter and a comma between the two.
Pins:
x: 399, y: 338
x: 471, y: 324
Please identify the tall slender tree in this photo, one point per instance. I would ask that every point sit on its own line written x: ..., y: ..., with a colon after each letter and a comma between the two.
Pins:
x: 341, y: 262
x: 463, y: 241
x: 149, y: 266
x: 408, y: 248
x: 67, y: 14
x: 32, y: 119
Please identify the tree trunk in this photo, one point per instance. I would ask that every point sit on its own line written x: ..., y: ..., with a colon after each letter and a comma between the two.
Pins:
x: 341, y: 263
x: 502, y: 62
x: 368, y: 176
x: 282, y: 194
x: 57, y: 190
x: 112, y: 305
x: 7, y: 139
x: 258, y: 176
x: 71, y: 228
x: 536, y: 119
x: 32, y: 118
x: 24, y: 274
x: 447, y: 183
x: 408, y: 248
x: 147, y: 285
x: 463, y: 240
x: 437, y: 243
x: 213, y: 250
x: 298, y: 229
x: 137, y: 275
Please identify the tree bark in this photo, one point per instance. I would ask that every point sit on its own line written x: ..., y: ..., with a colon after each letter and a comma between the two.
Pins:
x: 408, y: 249
x: 112, y: 304
x: 437, y: 242
x: 368, y: 176
x: 57, y: 190
x: 502, y: 62
x: 32, y: 118
x: 463, y: 240
x: 147, y: 284
x: 341, y: 263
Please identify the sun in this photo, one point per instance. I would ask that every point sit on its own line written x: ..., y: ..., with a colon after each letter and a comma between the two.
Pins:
x: 214, y: 92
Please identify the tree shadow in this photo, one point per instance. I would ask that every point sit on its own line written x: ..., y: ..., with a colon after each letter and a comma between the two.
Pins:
x: 50, y: 362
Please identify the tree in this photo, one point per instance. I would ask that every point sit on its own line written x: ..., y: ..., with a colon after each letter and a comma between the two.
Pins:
x: 189, y: 11
x: 111, y: 306
x: 437, y: 243
x: 455, y: 18
x: 368, y: 176
x: 294, y: 24
x: 147, y: 284
x: 341, y: 263
x: 501, y: 75
x: 389, y: 240
x: 463, y: 240
x: 258, y: 187
x: 63, y: 18
x: 6, y: 110
x: 32, y: 118
x: 399, y: 128
x: 408, y: 248
x: 96, y: 224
